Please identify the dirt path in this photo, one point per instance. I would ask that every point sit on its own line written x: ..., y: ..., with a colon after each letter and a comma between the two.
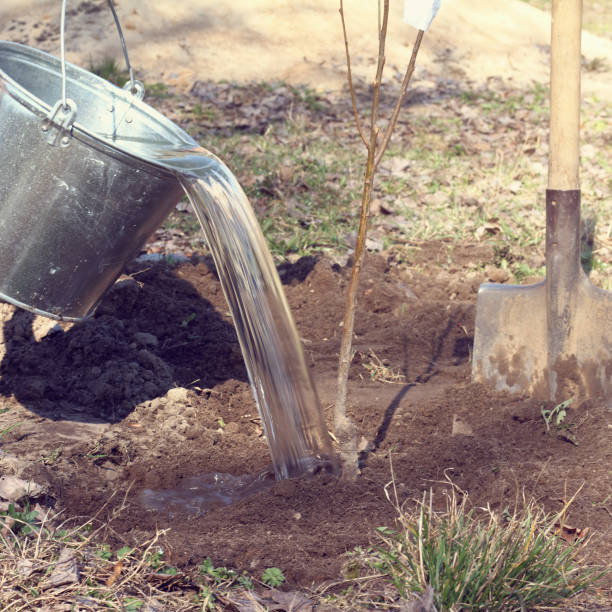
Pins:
x: 301, y: 43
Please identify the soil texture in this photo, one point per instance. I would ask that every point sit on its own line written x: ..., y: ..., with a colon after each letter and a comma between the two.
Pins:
x: 151, y: 392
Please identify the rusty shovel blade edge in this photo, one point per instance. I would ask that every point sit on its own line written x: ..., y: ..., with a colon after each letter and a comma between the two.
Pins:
x: 512, y: 350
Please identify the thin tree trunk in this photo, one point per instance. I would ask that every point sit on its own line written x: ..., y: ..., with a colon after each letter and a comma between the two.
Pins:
x: 345, y: 430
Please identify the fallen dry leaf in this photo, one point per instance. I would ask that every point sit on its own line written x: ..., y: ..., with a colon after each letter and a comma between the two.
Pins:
x: 288, y: 601
x: 65, y: 570
x: 13, y: 488
x: 115, y: 575
x: 460, y: 427
x: 487, y: 229
x: 571, y: 534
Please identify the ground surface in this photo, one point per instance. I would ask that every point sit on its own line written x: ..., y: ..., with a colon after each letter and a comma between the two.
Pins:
x: 269, y: 40
x: 151, y: 393
x: 98, y: 414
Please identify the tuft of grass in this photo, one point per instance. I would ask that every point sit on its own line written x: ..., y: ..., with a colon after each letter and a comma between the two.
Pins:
x: 156, y: 90
x: 8, y: 429
x: 481, y: 562
x: 109, y: 69
x: 379, y: 369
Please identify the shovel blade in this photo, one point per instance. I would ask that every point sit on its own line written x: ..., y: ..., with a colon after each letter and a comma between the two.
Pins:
x: 510, y: 339
x: 584, y: 368
x: 516, y: 351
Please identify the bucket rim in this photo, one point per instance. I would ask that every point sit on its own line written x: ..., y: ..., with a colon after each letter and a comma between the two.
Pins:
x: 47, y: 313
x: 174, y: 136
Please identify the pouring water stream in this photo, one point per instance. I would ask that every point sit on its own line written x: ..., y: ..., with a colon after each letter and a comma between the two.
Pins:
x: 106, y: 178
x: 284, y: 391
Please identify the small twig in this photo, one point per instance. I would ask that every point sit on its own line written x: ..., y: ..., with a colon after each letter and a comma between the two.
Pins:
x: 350, y: 77
x: 40, y: 533
x: 400, y: 99
x: 344, y: 429
x: 336, y: 583
x: 382, y: 39
x: 143, y: 558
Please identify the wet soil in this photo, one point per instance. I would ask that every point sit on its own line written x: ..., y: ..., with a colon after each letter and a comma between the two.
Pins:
x: 152, y: 392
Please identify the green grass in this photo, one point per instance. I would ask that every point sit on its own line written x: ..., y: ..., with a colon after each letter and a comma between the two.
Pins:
x: 8, y: 429
x: 300, y: 184
x: 272, y: 576
x: 481, y: 560
x: 109, y: 69
x: 470, y: 167
x: 485, y: 167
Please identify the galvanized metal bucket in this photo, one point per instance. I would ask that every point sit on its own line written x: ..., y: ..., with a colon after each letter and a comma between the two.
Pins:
x: 80, y: 191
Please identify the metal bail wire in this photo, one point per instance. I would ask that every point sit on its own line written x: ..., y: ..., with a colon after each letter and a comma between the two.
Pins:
x: 136, y: 88
x: 68, y: 107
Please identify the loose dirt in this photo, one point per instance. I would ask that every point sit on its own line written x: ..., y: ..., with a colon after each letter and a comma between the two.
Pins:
x: 152, y: 391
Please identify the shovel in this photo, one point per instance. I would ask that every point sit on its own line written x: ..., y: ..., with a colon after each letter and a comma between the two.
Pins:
x: 552, y: 340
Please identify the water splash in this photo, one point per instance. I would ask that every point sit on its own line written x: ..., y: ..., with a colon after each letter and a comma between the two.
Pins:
x: 279, y: 376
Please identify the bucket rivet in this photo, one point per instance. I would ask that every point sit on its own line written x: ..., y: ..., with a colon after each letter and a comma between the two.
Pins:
x: 128, y: 120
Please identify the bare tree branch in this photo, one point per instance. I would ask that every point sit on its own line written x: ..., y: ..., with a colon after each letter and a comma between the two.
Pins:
x: 382, y: 38
x: 345, y: 429
x: 350, y: 76
x: 400, y: 99
x: 346, y: 432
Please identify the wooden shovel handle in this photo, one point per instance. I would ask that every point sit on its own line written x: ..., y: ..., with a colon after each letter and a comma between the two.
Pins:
x: 565, y: 94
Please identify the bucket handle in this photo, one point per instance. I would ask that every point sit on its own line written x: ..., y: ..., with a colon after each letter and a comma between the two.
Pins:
x: 136, y: 88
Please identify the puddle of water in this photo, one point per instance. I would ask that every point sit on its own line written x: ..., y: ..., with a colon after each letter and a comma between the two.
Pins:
x: 200, y: 494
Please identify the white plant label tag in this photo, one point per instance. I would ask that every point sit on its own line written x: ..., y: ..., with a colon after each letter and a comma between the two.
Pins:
x: 420, y: 13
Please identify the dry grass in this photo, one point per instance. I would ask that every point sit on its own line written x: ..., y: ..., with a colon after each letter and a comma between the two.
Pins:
x: 464, y: 558
x: 50, y: 564
x: 379, y: 370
